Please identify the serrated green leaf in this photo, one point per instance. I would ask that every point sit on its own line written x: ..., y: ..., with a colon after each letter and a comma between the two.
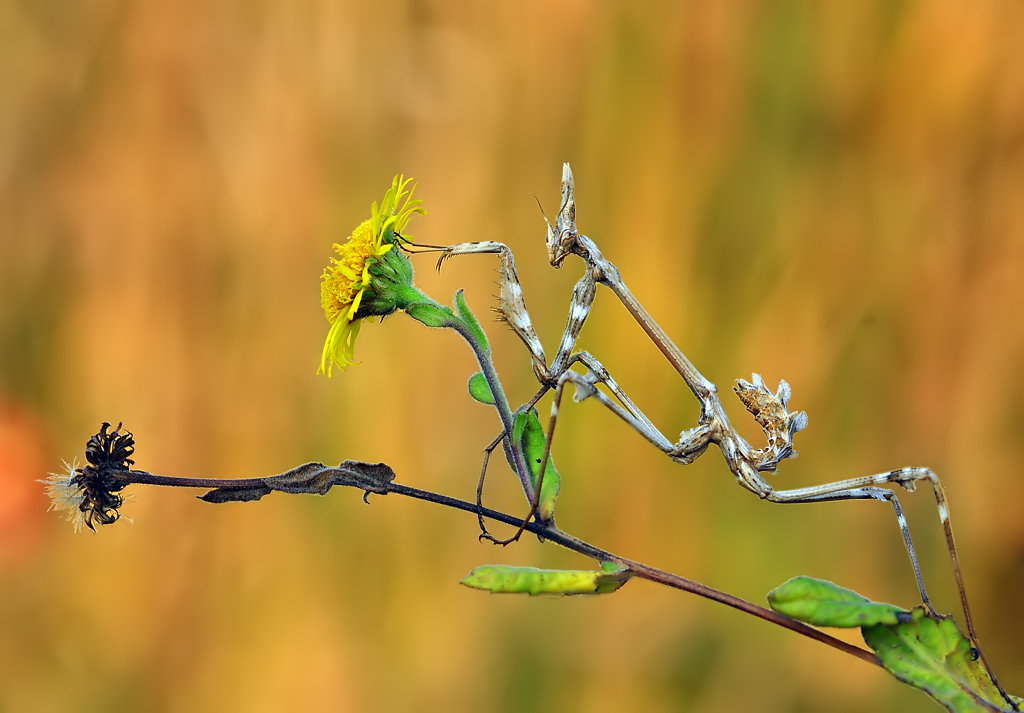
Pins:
x: 503, y: 579
x: 531, y: 440
x: 931, y: 654
x: 480, y: 390
x: 822, y: 603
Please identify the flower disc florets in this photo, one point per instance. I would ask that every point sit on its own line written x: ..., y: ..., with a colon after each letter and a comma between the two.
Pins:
x: 91, y: 493
x: 367, y: 278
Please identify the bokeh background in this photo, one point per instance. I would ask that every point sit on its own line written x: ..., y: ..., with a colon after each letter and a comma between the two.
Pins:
x: 823, y: 192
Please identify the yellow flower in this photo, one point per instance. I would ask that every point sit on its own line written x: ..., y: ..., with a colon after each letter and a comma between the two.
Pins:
x: 350, y: 276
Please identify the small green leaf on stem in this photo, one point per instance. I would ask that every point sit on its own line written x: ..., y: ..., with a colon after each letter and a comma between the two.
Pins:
x: 531, y: 440
x: 822, y: 603
x: 430, y: 314
x: 480, y: 390
x: 518, y: 426
x: 470, y: 319
x: 528, y: 434
x: 503, y: 579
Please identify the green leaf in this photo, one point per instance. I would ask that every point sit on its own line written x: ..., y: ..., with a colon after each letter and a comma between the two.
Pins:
x: 518, y: 426
x: 430, y: 314
x: 822, y: 603
x: 470, y: 320
x: 931, y: 654
x: 503, y: 579
x: 927, y: 652
x: 530, y: 438
x: 480, y: 390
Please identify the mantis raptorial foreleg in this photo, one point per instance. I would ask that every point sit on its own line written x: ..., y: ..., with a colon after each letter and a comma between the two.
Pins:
x: 511, y: 305
x: 512, y: 311
x: 512, y: 308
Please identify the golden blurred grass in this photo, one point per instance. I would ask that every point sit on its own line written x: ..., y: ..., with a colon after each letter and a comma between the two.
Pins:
x: 825, y: 193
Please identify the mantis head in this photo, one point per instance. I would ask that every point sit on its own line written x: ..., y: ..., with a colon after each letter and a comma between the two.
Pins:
x: 562, y: 237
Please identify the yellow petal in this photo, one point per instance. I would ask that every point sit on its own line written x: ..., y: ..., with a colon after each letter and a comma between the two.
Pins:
x: 326, y: 360
x: 348, y: 348
x: 355, y: 305
x: 347, y: 272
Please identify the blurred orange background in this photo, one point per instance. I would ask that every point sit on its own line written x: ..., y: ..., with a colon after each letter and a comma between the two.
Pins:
x: 821, y: 192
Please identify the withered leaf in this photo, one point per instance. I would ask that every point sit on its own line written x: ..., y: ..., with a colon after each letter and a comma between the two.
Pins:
x: 235, y: 495
x: 311, y: 479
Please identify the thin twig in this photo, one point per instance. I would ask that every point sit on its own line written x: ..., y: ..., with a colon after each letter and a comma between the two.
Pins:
x: 143, y: 478
x: 547, y: 533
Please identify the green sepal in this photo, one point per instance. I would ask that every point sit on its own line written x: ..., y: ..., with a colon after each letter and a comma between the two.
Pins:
x: 390, y: 286
x: 822, y: 603
x: 529, y: 435
x: 480, y: 390
x: 503, y: 579
x: 470, y: 321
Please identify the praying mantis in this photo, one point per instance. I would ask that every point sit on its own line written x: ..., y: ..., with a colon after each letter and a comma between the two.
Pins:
x: 770, y: 410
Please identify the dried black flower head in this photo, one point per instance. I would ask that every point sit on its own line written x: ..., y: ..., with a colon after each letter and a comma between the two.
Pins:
x: 92, y: 493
